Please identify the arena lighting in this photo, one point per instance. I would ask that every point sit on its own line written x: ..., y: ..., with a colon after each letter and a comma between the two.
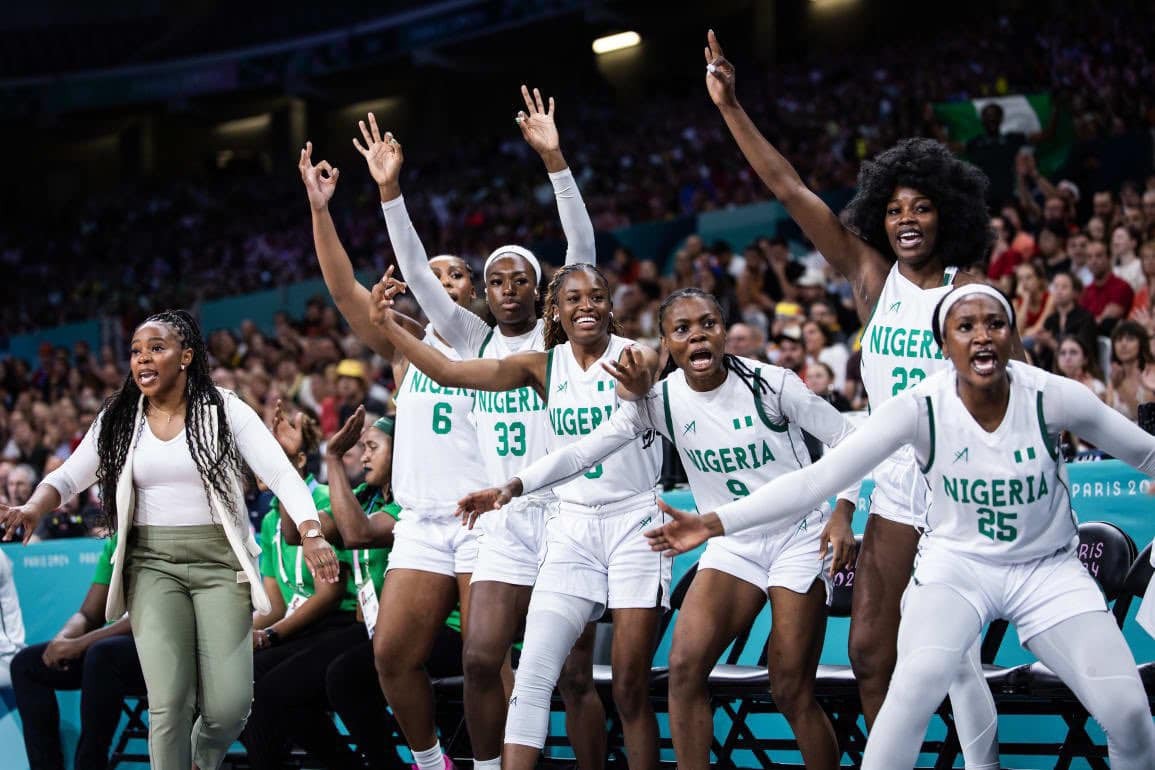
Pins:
x: 616, y: 42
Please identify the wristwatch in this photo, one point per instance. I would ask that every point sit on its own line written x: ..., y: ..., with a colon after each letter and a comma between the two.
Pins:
x: 314, y: 532
x: 272, y: 635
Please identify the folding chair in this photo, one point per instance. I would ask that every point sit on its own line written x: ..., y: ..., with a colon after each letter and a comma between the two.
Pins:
x: 1135, y: 586
x: 135, y: 707
x: 1108, y: 553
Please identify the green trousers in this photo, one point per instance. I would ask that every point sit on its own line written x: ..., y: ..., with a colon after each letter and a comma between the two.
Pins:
x: 192, y: 621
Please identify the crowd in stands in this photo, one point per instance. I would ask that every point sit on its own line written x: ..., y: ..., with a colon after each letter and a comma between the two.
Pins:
x: 175, y: 242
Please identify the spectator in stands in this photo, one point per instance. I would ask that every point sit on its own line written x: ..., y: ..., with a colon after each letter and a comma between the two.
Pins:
x: 1108, y: 297
x: 26, y: 445
x: 747, y: 341
x: 1003, y: 257
x: 1132, y: 378
x: 1077, y: 360
x: 994, y: 152
x: 1103, y: 208
x: 1127, y: 266
x: 22, y: 480
x: 87, y: 654
x: 821, y: 346
x: 791, y: 352
x: 1053, y: 250
x: 1096, y: 230
x: 1077, y: 245
x: 1033, y: 303
x: 820, y: 379
x: 1141, y: 305
x: 11, y: 621
x: 757, y: 287
x: 1067, y: 317
x: 1148, y: 205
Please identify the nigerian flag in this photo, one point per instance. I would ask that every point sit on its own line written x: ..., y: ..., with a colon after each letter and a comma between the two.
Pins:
x: 1025, y: 113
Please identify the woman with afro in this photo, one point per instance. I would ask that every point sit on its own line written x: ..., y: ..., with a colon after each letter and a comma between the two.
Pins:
x: 918, y: 216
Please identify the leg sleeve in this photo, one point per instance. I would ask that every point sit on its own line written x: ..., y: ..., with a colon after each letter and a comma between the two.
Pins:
x: 1089, y: 654
x: 974, y: 712
x: 937, y: 628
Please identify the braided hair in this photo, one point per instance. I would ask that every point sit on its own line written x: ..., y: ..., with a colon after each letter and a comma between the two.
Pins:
x: 750, y: 378
x: 217, y: 458
x: 553, y: 333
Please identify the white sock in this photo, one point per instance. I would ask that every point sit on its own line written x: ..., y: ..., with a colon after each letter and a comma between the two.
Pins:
x: 487, y: 764
x: 429, y: 759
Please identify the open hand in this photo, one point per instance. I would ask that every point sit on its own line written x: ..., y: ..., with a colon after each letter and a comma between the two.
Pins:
x: 288, y: 430
x: 320, y: 180
x: 321, y: 558
x: 683, y: 532
x: 631, y: 371
x: 381, y: 153
x: 381, y: 306
x: 536, y: 123
x: 346, y: 437
x: 12, y: 517
x: 719, y: 74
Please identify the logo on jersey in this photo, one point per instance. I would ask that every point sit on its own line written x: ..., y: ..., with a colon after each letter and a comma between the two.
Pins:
x: 642, y: 524
x: 1030, y: 453
x: 743, y: 422
x: 561, y: 388
x: 691, y: 427
x: 962, y: 454
x: 894, y: 307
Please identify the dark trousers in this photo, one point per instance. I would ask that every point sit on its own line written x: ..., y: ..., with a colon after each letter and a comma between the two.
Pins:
x: 108, y: 671
x: 332, y: 669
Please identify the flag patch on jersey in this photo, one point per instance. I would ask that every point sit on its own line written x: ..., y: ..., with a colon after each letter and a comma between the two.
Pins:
x: 743, y: 422
x: 1030, y: 453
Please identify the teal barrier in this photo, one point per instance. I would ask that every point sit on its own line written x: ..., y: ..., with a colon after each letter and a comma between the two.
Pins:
x: 53, y: 577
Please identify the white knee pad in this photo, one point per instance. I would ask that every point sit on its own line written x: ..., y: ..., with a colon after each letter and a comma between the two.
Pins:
x: 553, y: 624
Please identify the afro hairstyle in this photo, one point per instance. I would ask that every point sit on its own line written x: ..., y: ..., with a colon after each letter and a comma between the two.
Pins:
x: 957, y: 188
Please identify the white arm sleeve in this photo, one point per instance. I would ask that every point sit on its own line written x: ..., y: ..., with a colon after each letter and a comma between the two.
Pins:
x: 460, y: 328
x: 264, y: 455
x: 78, y: 472
x: 817, y: 417
x: 1070, y: 405
x: 776, y: 503
x: 575, y: 219
x: 577, y: 458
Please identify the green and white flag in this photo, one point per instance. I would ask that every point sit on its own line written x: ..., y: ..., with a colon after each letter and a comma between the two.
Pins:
x: 1023, y: 113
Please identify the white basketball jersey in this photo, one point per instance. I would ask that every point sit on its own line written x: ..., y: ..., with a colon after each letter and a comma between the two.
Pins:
x: 728, y: 441
x: 435, y: 460
x: 512, y: 430
x: 579, y: 400
x: 1001, y: 496
x: 898, y: 352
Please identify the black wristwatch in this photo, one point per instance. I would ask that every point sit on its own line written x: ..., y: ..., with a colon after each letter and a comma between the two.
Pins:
x: 272, y: 635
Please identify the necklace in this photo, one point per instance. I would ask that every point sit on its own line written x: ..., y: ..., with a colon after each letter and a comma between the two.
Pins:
x: 169, y: 415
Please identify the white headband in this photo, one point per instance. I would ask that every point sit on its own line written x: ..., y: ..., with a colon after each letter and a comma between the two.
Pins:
x: 968, y: 290
x: 525, y: 254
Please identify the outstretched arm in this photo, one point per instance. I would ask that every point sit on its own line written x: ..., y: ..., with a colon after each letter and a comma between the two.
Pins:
x: 540, y: 132
x: 461, y: 329
x: 1070, y: 405
x: 862, y: 265
x: 626, y: 424
x: 476, y: 373
x: 351, y: 297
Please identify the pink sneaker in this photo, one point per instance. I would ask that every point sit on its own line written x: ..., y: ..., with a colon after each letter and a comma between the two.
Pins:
x: 448, y: 763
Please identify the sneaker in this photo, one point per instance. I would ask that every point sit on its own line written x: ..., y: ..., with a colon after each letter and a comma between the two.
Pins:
x: 448, y: 763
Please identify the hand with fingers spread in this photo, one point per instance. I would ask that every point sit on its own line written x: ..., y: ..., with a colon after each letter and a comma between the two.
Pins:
x: 683, y: 532
x: 631, y: 371
x: 320, y: 180
x: 719, y: 74
x: 383, y: 156
x: 381, y: 304
x: 347, y: 436
x: 470, y: 507
x: 287, y: 430
x: 838, y: 538
x: 537, y: 124
x: 12, y: 517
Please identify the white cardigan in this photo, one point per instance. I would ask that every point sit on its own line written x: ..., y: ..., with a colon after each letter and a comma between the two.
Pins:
x: 257, y: 447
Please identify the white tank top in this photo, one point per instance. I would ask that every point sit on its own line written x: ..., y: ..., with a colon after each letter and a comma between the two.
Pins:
x: 1001, y: 496
x: 435, y: 460
x: 728, y: 441
x: 898, y: 352
x: 512, y: 430
x: 579, y: 400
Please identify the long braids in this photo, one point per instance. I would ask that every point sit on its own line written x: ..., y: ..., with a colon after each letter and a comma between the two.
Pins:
x: 217, y: 458
x: 553, y: 334
x: 750, y: 378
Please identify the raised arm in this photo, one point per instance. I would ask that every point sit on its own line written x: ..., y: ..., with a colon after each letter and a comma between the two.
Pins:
x: 862, y: 265
x: 461, y: 329
x: 351, y: 297
x: 540, y: 132
x: 1070, y: 405
x: 355, y: 529
x: 77, y: 474
x: 817, y: 417
x: 478, y: 373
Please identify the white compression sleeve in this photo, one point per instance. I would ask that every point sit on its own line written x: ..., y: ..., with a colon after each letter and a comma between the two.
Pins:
x: 575, y: 219
x: 776, y: 503
x: 1070, y: 405
x: 1089, y: 654
x: 552, y: 626
x: 937, y: 628
x: 817, y: 417
x: 460, y: 328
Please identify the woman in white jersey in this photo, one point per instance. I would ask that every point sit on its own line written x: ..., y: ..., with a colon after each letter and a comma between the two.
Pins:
x: 736, y: 423
x: 595, y: 554
x: 1001, y: 539
x: 918, y: 212
x: 432, y: 558
x: 511, y: 430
